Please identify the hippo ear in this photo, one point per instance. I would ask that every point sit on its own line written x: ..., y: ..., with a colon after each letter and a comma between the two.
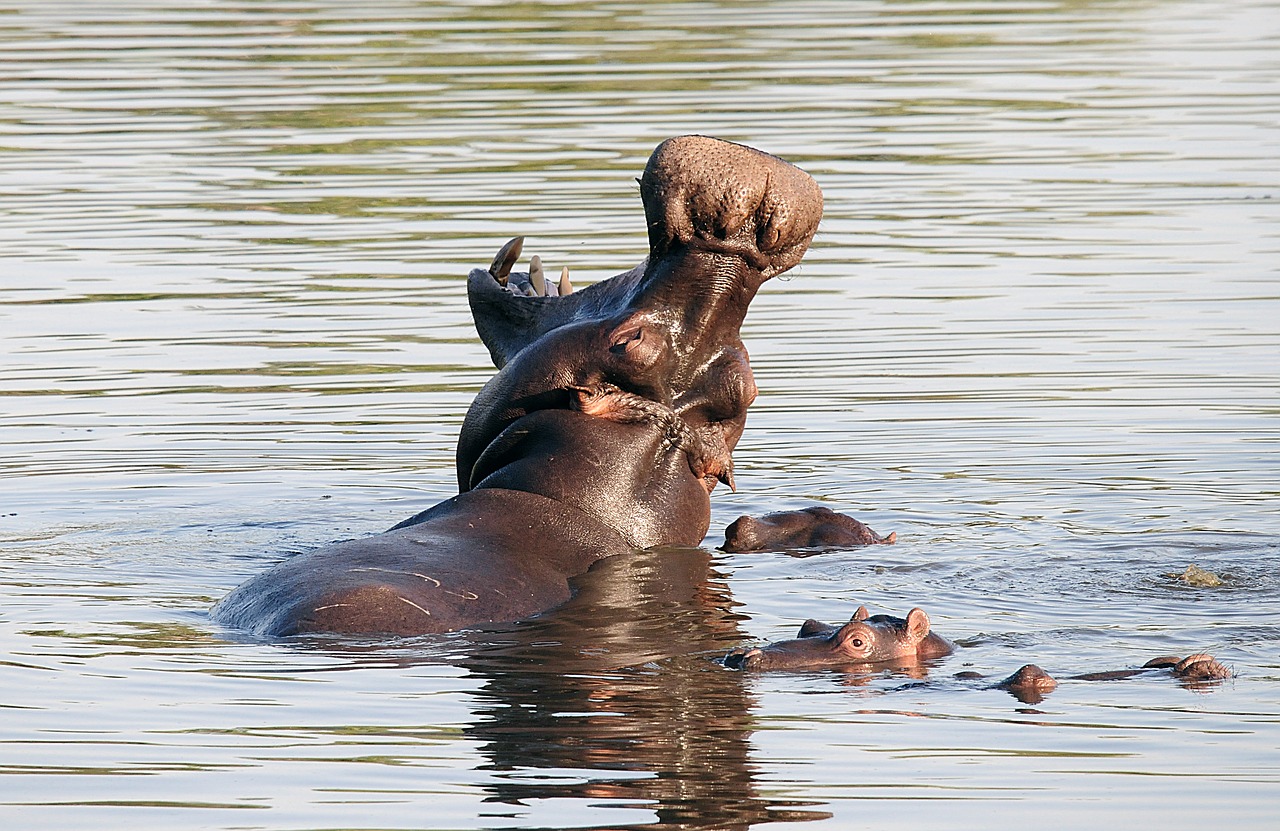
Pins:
x: 813, y: 628
x: 861, y: 614
x: 917, y: 625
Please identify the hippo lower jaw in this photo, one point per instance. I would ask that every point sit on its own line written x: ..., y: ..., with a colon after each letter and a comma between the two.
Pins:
x: 705, y: 452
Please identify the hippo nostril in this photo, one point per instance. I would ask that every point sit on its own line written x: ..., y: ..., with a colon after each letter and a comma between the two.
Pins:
x: 769, y: 237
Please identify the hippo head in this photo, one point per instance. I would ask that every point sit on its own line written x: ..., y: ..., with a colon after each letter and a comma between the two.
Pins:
x: 815, y: 527
x: 865, y: 639
x: 626, y: 399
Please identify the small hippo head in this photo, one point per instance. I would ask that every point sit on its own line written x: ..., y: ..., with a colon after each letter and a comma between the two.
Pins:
x: 865, y: 639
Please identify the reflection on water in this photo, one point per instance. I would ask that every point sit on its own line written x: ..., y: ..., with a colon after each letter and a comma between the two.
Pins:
x: 609, y: 699
x: 1035, y: 336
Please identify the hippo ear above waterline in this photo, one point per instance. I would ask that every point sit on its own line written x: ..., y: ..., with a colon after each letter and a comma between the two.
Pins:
x: 861, y: 614
x: 811, y: 628
x: 917, y: 625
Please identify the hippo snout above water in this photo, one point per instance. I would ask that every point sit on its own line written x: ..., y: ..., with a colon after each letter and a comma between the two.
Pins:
x: 865, y: 639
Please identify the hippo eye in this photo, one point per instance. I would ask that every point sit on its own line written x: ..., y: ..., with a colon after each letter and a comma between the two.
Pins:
x: 769, y: 238
x: 857, y: 643
x: 626, y: 341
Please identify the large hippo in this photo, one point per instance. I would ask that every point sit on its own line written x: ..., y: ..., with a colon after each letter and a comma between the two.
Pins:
x: 612, y: 417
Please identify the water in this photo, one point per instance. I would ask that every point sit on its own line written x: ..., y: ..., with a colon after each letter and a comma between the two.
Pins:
x: 1037, y: 336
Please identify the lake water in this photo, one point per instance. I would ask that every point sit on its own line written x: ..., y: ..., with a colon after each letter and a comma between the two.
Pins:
x: 1038, y: 336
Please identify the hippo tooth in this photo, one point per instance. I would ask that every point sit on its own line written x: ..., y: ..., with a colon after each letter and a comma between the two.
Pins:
x: 565, y: 286
x: 505, y: 259
x: 536, y: 279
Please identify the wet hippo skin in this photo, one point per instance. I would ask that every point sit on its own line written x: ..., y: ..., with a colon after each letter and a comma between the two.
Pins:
x: 612, y: 417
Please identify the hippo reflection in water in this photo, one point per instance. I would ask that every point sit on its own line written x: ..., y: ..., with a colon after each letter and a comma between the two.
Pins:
x: 869, y: 640
x: 612, y: 417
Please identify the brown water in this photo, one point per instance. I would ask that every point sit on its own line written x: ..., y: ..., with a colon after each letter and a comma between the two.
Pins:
x: 1038, y: 336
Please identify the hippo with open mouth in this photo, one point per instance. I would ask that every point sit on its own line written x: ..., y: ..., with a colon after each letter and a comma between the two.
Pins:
x: 612, y: 417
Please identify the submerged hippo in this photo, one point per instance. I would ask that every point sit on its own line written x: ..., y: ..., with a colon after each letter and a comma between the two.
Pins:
x: 884, y: 639
x: 612, y: 417
x: 1030, y: 684
x: 815, y: 527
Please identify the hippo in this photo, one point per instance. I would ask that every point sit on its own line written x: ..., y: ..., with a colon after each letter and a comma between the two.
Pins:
x: 815, y: 527
x: 1030, y: 684
x: 884, y: 639
x: 865, y: 639
x: 612, y: 417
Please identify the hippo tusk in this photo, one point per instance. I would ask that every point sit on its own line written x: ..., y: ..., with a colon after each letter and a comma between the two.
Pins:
x: 726, y: 476
x: 565, y: 286
x: 536, y: 279
x: 505, y: 259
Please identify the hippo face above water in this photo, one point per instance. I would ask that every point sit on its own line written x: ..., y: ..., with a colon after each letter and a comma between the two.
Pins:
x: 865, y: 639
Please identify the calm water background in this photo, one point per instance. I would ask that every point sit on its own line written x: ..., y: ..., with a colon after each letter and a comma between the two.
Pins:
x: 1038, y: 336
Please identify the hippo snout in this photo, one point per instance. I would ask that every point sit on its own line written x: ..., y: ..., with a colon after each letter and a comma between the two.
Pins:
x: 744, y: 658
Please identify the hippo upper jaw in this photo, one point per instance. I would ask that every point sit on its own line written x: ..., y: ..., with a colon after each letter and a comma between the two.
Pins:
x: 731, y: 200
x: 638, y: 474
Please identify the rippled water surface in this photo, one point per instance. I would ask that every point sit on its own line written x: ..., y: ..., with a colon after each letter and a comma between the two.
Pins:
x: 1038, y: 336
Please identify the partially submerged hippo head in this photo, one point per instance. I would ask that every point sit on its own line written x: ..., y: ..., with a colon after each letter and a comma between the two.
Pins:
x: 815, y: 527
x: 1199, y: 672
x: 865, y: 639
x: 627, y: 398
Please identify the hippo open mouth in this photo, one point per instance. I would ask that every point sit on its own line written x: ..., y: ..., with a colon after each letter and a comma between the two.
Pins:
x: 657, y: 344
x: 633, y: 351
